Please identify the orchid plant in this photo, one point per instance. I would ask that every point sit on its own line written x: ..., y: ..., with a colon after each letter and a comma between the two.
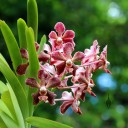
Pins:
x: 41, y: 68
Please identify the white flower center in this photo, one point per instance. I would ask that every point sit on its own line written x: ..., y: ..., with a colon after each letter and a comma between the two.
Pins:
x: 59, y: 40
x: 43, y: 88
x: 69, y: 63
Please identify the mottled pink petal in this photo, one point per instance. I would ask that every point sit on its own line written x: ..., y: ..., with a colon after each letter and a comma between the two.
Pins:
x: 95, y: 47
x: 57, y: 56
x: 60, y: 28
x: 43, y: 57
x: 35, y: 98
x: 60, y: 66
x: 49, y: 68
x: 43, y: 76
x: 82, y: 97
x: 78, y: 56
x: 64, y: 83
x: 21, y: 69
x: 53, y: 82
x: 67, y: 40
x: 32, y: 82
x: 24, y: 53
x: 51, y: 97
x: 68, y: 49
x: 67, y: 96
x: 69, y: 34
x: 47, y: 48
x: 75, y: 107
x: 53, y: 35
x: 65, y: 106
x: 80, y: 75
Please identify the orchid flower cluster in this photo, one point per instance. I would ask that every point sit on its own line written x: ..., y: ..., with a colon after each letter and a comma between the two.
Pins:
x: 58, y: 66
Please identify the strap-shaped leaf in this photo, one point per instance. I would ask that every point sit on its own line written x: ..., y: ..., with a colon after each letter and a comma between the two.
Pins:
x: 45, y: 123
x: 42, y: 42
x: 2, y: 124
x: 16, y: 107
x: 5, y: 109
x: 33, y: 59
x: 21, y: 25
x: 16, y: 86
x: 33, y: 63
x: 6, y: 98
x: 8, y: 121
x: 3, y: 87
x: 32, y: 16
x: 12, y: 45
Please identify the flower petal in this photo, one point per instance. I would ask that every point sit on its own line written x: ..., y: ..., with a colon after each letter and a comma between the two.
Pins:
x: 68, y: 49
x: 60, y: 66
x: 49, y: 68
x: 67, y: 96
x: 24, y: 53
x: 43, y: 57
x: 21, y: 69
x: 32, y: 82
x: 69, y: 34
x: 65, y: 106
x: 75, y: 107
x: 57, y: 56
x: 53, y: 35
x: 47, y: 48
x: 35, y: 98
x: 43, y: 76
x: 60, y: 28
x: 53, y: 82
x: 78, y: 56
x: 51, y: 97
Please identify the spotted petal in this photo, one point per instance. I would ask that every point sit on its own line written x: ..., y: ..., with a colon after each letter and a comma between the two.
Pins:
x: 60, y: 28
x: 53, y: 35
x: 68, y: 49
x: 69, y: 34
x: 78, y: 56
x: 53, y: 82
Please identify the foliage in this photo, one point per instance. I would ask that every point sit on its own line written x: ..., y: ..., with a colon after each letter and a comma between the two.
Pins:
x: 16, y: 102
x: 90, y: 20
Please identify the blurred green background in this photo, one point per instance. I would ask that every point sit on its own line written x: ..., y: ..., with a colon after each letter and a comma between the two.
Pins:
x: 104, y: 20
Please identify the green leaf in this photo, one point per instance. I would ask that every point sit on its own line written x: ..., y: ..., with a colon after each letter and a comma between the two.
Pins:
x: 33, y: 59
x: 33, y: 63
x: 2, y: 124
x: 11, y: 44
x: 5, y: 109
x: 21, y: 32
x: 16, y: 107
x: 3, y: 87
x: 42, y: 42
x: 45, y: 123
x: 32, y: 16
x: 16, y: 86
x: 6, y: 98
x: 8, y: 121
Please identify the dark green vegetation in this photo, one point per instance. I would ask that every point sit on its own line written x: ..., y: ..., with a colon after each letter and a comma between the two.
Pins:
x: 106, y: 21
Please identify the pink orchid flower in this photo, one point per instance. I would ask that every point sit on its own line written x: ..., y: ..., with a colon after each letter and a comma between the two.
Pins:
x: 62, y: 36
x: 46, y: 81
x: 69, y: 100
x: 64, y: 61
